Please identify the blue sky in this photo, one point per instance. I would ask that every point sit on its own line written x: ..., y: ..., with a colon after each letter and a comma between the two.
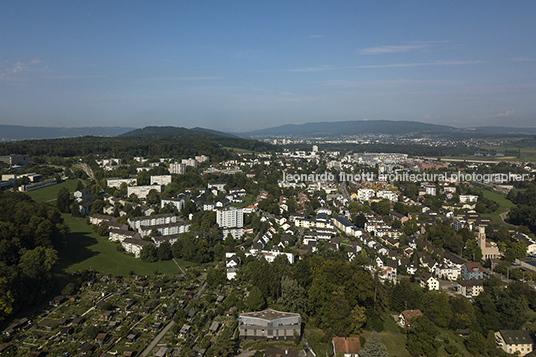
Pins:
x: 244, y: 65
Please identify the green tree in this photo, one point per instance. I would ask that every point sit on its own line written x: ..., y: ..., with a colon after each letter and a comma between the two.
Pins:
x: 374, y: 347
x: 359, y: 220
x: 38, y: 262
x: 293, y: 296
x: 411, y: 227
x: 422, y: 337
x: 437, y: 308
x: 255, y: 301
x: 164, y: 251
x: 63, y: 200
x: 475, y: 343
x: 472, y: 250
x: 215, y: 277
x: 148, y: 253
x: 103, y: 229
x: 382, y: 208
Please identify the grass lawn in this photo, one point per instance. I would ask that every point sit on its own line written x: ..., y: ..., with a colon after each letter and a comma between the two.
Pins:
x: 315, y: 337
x: 248, y: 200
x: 504, y: 204
x: 395, y: 343
x: 50, y: 193
x: 84, y: 249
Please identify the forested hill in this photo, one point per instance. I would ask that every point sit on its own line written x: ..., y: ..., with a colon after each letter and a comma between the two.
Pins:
x: 174, y: 131
x: 187, y: 145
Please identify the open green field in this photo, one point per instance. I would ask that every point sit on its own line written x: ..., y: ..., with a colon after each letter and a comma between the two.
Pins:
x: 84, y: 249
x: 50, y: 193
x: 504, y: 204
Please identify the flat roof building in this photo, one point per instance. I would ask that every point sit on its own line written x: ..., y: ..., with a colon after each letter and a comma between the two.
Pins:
x: 269, y: 324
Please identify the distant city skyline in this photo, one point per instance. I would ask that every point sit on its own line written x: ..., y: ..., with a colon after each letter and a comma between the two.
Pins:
x: 240, y: 65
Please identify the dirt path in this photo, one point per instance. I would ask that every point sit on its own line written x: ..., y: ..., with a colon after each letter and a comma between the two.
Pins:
x: 179, y: 266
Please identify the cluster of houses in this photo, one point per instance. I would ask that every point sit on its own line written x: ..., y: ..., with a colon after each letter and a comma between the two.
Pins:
x: 167, y: 226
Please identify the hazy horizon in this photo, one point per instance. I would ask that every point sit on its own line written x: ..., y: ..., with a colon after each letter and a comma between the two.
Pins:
x: 241, y: 66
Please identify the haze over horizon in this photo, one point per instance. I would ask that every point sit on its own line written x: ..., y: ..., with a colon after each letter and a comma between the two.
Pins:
x: 239, y: 66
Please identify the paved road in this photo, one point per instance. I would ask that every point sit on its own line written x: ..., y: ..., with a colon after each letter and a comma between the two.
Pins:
x: 157, y: 339
x: 344, y: 190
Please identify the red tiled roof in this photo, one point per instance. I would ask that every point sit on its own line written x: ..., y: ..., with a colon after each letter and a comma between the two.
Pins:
x: 410, y: 314
x: 346, y: 344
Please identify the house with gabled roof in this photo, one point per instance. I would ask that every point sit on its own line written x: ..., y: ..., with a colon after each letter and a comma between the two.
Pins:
x: 515, y: 341
x: 427, y: 281
x: 346, y: 346
x: 470, y: 288
x: 472, y: 270
x: 405, y: 317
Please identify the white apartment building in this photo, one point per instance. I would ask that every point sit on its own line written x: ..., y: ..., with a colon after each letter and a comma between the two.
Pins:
x: 160, y: 180
x: 142, y: 191
x: 177, y: 169
x: 116, y: 182
x: 390, y: 195
x: 230, y: 218
x: 365, y: 194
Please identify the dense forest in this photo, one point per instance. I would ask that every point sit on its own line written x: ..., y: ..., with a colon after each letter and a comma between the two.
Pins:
x: 131, y: 146
x: 524, y: 213
x: 30, y: 232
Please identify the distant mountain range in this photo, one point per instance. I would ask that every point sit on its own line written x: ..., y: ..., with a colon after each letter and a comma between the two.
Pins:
x: 18, y: 132
x: 339, y: 128
x: 389, y: 127
x: 307, y: 130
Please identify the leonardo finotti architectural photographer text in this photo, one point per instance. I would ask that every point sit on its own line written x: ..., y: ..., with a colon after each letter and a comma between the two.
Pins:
x: 406, y: 176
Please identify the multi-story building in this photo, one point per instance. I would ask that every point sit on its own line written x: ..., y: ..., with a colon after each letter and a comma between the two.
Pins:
x: 160, y: 180
x: 190, y: 162
x: 365, y: 194
x: 230, y: 218
x: 142, y: 191
x: 165, y: 229
x: 470, y: 288
x: 178, y: 203
x: 269, y: 324
x: 514, y: 341
x: 134, y: 246
x: 116, y: 182
x: 390, y: 195
x: 177, y: 169
x: 136, y: 222
x: 310, y: 223
x: 16, y: 160
x: 472, y: 271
